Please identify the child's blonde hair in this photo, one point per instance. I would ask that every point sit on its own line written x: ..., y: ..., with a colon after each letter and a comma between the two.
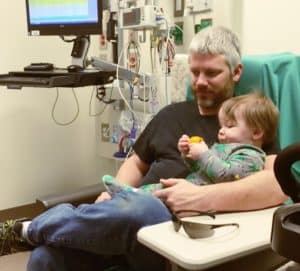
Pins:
x: 258, y: 111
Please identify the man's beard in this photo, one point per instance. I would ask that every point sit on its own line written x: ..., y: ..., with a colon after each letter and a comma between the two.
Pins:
x: 206, y: 102
x: 216, y: 100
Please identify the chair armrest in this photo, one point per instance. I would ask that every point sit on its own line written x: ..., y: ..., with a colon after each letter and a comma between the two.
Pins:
x: 87, y: 194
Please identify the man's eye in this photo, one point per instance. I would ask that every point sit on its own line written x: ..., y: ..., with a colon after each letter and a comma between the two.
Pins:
x: 212, y: 73
x: 195, y: 74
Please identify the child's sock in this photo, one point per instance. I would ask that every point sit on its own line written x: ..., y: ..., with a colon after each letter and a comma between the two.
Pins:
x: 150, y: 188
x: 113, y: 186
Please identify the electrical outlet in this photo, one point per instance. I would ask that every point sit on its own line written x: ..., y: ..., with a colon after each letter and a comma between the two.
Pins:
x: 105, y: 132
x: 102, y: 42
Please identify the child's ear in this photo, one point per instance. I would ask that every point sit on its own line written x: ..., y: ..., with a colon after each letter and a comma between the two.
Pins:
x: 257, y: 134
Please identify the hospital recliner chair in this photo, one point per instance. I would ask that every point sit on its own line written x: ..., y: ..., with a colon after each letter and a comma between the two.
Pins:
x: 278, y: 75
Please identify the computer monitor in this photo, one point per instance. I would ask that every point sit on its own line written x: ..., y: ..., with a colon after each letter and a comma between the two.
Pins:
x: 79, y: 18
x: 64, y: 17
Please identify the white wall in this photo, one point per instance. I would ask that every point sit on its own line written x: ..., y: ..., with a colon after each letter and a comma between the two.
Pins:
x: 270, y: 26
x: 37, y: 156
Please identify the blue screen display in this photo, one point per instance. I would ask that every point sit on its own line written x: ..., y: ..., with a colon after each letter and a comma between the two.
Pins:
x: 63, y: 11
x: 50, y: 17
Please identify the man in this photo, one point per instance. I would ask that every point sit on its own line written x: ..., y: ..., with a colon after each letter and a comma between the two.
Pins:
x: 69, y: 238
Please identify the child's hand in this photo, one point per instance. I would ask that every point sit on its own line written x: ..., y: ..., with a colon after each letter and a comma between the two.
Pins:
x: 102, y: 197
x: 184, y: 145
x: 196, y: 149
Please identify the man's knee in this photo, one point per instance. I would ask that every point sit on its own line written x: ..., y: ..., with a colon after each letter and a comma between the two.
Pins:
x: 143, y: 209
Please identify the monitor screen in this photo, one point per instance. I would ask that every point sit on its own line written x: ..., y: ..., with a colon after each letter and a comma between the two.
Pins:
x: 64, y: 17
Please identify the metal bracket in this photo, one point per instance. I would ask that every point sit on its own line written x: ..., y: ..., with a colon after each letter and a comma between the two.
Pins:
x: 123, y: 73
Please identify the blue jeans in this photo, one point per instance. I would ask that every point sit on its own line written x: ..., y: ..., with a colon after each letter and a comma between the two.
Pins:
x: 90, y: 235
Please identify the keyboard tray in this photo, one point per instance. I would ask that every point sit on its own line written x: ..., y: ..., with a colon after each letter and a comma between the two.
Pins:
x: 55, y: 78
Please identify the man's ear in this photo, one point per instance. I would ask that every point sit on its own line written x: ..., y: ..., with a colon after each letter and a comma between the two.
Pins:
x: 237, y: 73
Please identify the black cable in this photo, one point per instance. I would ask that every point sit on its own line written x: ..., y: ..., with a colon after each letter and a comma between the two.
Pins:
x: 67, y: 40
x: 101, y: 94
x: 90, y: 105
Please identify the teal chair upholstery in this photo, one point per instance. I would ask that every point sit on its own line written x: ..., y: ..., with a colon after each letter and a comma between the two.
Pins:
x: 278, y: 76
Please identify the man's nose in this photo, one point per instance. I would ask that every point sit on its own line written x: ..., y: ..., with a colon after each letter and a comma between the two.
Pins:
x: 201, y: 79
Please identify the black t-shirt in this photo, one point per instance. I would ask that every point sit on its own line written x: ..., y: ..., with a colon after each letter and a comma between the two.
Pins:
x: 157, y: 144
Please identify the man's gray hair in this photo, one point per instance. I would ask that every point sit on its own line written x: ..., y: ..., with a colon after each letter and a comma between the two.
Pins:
x: 217, y: 40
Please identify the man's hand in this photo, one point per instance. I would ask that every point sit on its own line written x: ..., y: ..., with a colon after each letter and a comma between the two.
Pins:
x: 102, y: 197
x: 180, y: 194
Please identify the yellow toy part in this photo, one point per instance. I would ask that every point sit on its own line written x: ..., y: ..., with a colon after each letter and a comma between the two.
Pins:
x: 195, y: 139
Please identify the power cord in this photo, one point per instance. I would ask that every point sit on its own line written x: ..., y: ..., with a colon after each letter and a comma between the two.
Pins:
x: 54, y: 107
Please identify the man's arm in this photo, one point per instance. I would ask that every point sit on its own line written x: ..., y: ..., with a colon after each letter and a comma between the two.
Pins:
x: 257, y: 191
x: 132, y: 171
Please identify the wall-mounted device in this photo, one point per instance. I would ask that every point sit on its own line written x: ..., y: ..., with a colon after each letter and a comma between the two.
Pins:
x: 198, y: 6
x: 138, y: 17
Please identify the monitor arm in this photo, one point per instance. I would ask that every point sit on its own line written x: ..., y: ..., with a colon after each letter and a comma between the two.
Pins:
x: 123, y: 73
